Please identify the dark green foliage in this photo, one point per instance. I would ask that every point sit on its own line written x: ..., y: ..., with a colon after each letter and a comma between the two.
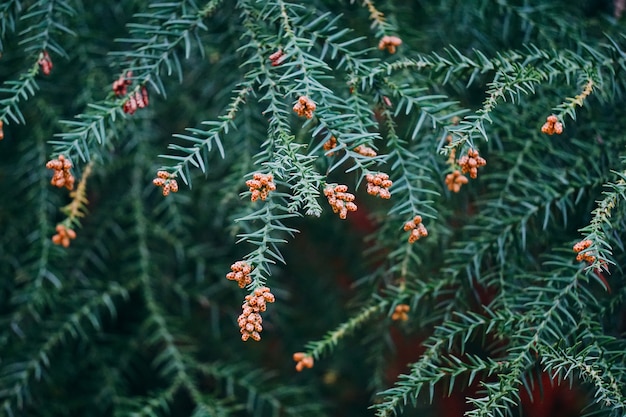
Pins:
x: 136, y: 316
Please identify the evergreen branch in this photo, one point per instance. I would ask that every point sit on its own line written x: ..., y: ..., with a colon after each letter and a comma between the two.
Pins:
x: 592, y: 368
x: 502, y: 395
x: 380, y: 25
x: 203, y: 140
x: 527, y: 202
x: 338, y: 119
x: 333, y: 120
x: 16, y: 377
x: 408, y: 169
x: 303, y: 64
x: 569, y: 106
x: 259, y: 392
x: 536, y: 17
x: 513, y: 77
x: 439, y: 109
x: 78, y: 206
x: 318, y: 348
x: 280, y: 150
x: 433, y: 367
x: 37, y: 38
x: 158, y: 403
x: 214, y: 408
x: 154, y: 43
x: 33, y: 296
x: 409, y: 175
x: 600, y: 221
x: 454, y: 63
x: 273, y: 212
x: 516, y: 172
x: 543, y: 322
x: 18, y: 91
x: 543, y: 318
x: 291, y: 165
x: 171, y: 358
x: 78, y: 140
x: 542, y: 66
x: 498, y: 394
x: 512, y: 83
x: 155, y: 53
x: 41, y: 40
x: 171, y: 361
x: 303, y: 73
x: 9, y: 15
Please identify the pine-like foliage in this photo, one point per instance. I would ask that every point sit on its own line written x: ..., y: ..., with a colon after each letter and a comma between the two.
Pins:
x: 418, y: 200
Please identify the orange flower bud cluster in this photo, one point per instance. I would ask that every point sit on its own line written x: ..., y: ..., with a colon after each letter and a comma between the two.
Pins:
x: 580, y: 247
x: 45, y: 63
x: 303, y: 361
x: 379, y: 184
x: 417, y: 229
x: 304, y: 107
x: 139, y: 100
x: 62, y: 176
x: 340, y: 200
x: 1, y: 131
x: 260, y: 185
x: 120, y: 86
x: 471, y: 162
x: 552, y: 126
x: 455, y: 180
x: 250, y: 321
x: 240, y: 273
x: 277, y: 58
x: 63, y: 236
x: 164, y: 179
x: 401, y: 312
x: 365, y: 151
x: 330, y: 144
x: 389, y: 43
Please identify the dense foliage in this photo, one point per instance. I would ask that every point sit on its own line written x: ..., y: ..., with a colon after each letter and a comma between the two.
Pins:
x: 418, y: 203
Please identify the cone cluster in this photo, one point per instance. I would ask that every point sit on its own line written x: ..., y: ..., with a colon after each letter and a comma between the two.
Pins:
x: 455, y: 181
x: 340, y: 200
x: 250, y: 321
x: 471, y: 162
x: 62, y: 176
x: 330, y: 144
x: 1, y: 131
x: 164, y: 179
x: 378, y: 184
x: 552, y: 126
x: 417, y: 229
x: 277, y: 58
x: 260, y: 185
x: 401, y: 312
x: 365, y: 151
x: 120, y: 86
x: 580, y: 247
x: 304, y: 107
x: 390, y: 43
x: 240, y: 272
x: 303, y: 361
x: 63, y: 236
x: 139, y: 100
x: 45, y: 63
